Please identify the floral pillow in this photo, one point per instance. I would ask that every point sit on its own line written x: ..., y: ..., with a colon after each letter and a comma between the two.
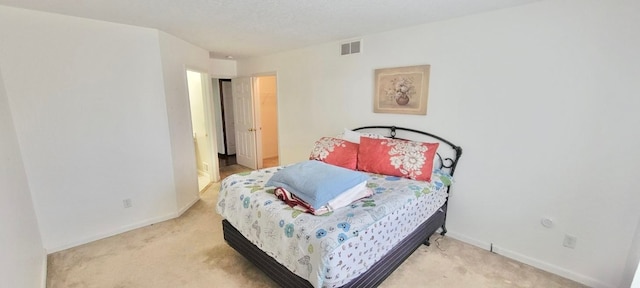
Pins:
x: 402, y: 158
x: 336, y: 152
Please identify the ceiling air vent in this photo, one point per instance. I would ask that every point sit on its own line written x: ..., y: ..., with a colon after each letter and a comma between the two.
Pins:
x: 350, y: 48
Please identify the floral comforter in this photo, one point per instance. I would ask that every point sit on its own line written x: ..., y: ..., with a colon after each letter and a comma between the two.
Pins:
x: 332, y: 249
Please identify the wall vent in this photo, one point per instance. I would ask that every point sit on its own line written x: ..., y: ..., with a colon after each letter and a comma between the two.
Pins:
x: 351, y: 47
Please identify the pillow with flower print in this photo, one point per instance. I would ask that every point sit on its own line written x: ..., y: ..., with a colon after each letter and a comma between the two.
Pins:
x: 402, y: 158
x: 336, y: 152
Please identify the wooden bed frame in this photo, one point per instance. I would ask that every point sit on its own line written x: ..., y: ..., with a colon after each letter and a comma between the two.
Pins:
x: 388, y: 263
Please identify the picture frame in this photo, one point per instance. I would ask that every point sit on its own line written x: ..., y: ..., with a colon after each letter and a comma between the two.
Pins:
x: 402, y: 90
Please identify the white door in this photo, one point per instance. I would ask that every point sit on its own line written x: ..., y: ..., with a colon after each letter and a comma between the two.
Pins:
x: 244, y: 121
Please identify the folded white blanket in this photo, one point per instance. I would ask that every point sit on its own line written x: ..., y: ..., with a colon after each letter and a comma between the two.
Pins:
x: 357, y: 192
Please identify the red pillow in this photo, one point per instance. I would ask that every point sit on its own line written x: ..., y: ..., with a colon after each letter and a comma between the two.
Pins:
x: 336, y: 152
x: 408, y: 159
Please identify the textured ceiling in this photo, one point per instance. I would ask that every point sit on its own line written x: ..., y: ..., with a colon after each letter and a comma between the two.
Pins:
x: 244, y: 28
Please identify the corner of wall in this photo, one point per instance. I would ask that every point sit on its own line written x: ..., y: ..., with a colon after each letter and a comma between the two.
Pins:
x: 633, y: 260
x: 45, y: 265
x: 186, y: 207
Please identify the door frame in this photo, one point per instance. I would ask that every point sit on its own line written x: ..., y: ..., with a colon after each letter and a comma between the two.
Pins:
x: 224, y: 124
x: 207, y: 94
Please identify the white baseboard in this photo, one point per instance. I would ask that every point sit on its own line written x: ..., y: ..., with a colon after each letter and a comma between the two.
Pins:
x: 469, y: 240
x: 186, y: 207
x: 44, y: 269
x: 591, y: 282
x: 550, y: 267
x: 112, y: 233
x: 123, y: 229
x: 204, y: 173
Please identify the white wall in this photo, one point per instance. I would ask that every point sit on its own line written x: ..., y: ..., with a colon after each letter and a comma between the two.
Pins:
x: 268, y: 115
x: 633, y: 267
x: 88, y: 105
x: 177, y: 56
x: 636, y: 279
x: 542, y: 97
x: 23, y: 261
x: 223, y: 68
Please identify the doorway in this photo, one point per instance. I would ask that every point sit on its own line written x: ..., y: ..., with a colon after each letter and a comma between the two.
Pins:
x: 266, y: 91
x: 200, y: 107
x: 255, y: 110
x: 224, y: 119
x: 227, y: 143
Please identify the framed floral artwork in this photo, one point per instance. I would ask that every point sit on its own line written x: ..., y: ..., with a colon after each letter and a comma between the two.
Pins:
x: 402, y: 90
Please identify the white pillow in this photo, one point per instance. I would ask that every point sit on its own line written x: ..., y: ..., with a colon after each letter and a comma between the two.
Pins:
x: 354, y: 137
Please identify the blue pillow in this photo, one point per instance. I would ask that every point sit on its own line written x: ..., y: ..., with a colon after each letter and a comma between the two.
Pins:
x: 316, y: 182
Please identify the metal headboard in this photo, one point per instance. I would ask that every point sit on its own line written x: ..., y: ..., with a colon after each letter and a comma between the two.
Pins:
x: 448, y: 162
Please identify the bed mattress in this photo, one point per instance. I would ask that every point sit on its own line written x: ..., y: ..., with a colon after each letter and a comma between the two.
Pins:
x: 332, y: 249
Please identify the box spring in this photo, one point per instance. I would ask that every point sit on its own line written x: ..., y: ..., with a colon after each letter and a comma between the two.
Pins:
x: 371, y: 278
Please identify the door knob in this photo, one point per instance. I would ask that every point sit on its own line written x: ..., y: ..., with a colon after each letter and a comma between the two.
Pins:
x: 251, y: 129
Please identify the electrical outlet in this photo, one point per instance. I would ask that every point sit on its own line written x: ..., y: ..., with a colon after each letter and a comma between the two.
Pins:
x: 127, y: 203
x: 570, y: 241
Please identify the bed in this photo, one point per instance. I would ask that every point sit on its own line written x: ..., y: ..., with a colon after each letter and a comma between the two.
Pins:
x: 355, y: 246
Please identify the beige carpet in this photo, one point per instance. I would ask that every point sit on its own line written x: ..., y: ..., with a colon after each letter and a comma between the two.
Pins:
x: 190, y: 252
